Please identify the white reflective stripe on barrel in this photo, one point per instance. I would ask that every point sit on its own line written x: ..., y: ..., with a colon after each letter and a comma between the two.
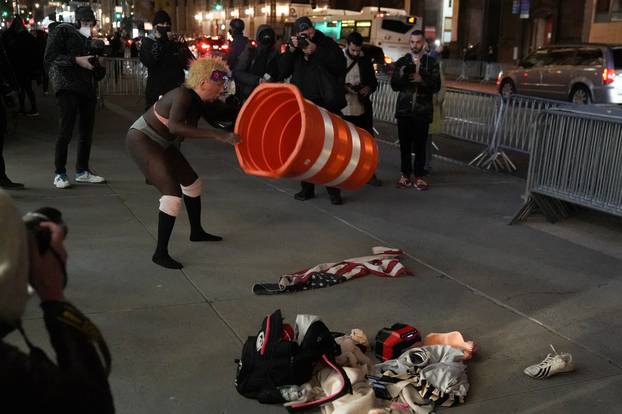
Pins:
x: 354, y: 159
x: 329, y: 140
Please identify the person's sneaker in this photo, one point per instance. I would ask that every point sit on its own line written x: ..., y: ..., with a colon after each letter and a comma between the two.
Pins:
x: 303, y: 195
x: 88, y: 177
x: 553, y: 364
x: 61, y: 181
x: 404, y: 182
x: 420, y: 184
x: 32, y: 113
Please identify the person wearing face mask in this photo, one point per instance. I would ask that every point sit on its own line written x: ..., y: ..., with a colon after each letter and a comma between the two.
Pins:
x: 77, y: 381
x: 74, y: 78
x: 417, y: 77
x: 317, y: 67
x: 238, y: 41
x: 150, y: 142
x: 165, y: 58
x: 257, y: 64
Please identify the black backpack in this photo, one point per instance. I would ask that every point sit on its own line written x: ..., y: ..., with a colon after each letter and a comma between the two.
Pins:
x: 273, y: 358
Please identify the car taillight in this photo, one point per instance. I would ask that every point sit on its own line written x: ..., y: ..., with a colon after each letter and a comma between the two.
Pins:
x: 253, y: 43
x: 225, y: 47
x: 608, y: 76
x: 204, y: 46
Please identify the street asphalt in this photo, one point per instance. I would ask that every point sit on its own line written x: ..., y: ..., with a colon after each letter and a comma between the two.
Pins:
x: 175, y: 334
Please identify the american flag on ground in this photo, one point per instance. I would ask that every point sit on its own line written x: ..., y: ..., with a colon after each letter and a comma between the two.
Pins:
x: 384, y: 262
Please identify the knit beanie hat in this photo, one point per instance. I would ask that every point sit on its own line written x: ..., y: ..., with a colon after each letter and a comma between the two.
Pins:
x: 161, y: 17
x: 13, y: 262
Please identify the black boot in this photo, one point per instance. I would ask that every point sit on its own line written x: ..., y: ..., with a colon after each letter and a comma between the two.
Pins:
x: 165, y: 228
x: 6, y: 183
x: 193, y: 207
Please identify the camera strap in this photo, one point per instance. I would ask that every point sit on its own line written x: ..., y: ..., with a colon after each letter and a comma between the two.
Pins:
x: 349, y: 68
x: 71, y: 316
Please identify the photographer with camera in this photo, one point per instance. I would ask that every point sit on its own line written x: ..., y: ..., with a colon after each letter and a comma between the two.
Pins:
x: 32, y: 382
x: 317, y: 67
x: 9, y: 86
x: 417, y: 77
x: 361, y: 82
x: 166, y: 58
x: 74, y: 72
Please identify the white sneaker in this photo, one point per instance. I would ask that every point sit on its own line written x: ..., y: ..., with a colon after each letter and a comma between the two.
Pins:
x: 61, y: 181
x: 87, y: 177
x: 553, y: 364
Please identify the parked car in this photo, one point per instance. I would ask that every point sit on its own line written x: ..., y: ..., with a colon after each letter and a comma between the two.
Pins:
x: 586, y: 73
x: 209, y: 45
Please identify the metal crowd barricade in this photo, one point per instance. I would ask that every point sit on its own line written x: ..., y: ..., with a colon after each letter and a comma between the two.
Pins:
x: 470, y: 116
x: 575, y: 160
x: 124, y: 76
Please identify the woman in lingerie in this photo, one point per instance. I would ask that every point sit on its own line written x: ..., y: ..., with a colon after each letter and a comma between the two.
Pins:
x: 151, y: 140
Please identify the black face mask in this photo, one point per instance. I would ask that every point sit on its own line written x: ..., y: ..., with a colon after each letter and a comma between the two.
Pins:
x: 266, y: 41
x: 163, y: 30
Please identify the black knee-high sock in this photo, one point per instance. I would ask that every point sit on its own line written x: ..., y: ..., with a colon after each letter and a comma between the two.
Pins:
x: 193, y: 206
x: 165, y: 228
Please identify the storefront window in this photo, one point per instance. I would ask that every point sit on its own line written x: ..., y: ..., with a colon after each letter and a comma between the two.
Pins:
x: 608, y: 10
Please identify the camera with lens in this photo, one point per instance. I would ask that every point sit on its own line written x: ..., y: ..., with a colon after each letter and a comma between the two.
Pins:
x: 42, y: 235
x: 303, y: 40
x: 97, y: 49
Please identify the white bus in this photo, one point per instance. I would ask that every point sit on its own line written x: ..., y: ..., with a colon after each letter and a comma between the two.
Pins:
x: 388, y: 29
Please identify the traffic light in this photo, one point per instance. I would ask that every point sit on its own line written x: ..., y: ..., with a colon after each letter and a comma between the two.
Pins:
x: 218, y: 5
x: 118, y: 16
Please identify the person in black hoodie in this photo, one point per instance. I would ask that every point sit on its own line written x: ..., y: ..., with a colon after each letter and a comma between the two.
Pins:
x: 257, y: 64
x: 165, y: 58
x: 77, y: 381
x: 317, y: 67
x: 417, y: 77
x: 74, y: 74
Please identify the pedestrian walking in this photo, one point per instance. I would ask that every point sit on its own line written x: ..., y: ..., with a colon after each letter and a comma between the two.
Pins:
x: 361, y: 82
x: 416, y: 77
x: 74, y: 74
x: 317, y: 67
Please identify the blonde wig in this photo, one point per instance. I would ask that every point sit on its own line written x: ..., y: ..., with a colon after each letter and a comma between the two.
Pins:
x: 202, y: 69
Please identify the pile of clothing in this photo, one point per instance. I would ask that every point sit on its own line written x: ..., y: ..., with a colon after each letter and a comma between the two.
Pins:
x: 428, y: 375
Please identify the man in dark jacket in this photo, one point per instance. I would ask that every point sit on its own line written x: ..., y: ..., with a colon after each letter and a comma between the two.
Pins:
x: 361, y: 82
x: 31, y: 382
x: 165, y: 58
x: 257, y: 64
x: 74, y: 74
x: 238, y: 42
x: 417, y: 78
x: 317, y: 67
x: 22, y: 49
x: 8, y: 88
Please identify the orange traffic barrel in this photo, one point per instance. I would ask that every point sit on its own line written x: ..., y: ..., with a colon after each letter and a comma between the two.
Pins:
x: 284, y: 135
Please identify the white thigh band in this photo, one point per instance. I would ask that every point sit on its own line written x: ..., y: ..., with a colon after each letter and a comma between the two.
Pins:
x: 194, y: 189
x: 170, y: 205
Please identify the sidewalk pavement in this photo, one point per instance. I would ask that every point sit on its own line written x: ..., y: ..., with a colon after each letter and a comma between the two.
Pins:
x: 174, y: 334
